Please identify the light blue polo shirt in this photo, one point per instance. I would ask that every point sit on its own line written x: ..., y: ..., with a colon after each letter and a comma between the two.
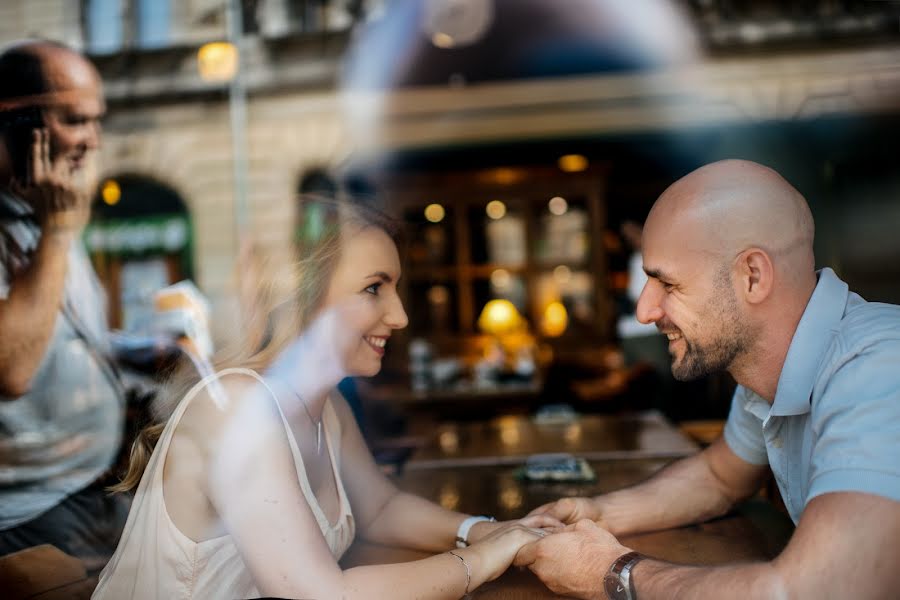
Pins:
x: 835, y: 423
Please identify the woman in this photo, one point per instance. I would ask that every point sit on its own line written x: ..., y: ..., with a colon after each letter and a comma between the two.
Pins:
x: 258, y: 483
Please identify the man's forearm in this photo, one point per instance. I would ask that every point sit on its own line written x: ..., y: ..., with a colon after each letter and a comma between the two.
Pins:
x: 682, y: 493
x: 28, y: 314
x: 654, y: 579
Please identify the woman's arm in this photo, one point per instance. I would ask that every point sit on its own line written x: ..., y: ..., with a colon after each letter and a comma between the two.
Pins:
x: 388, y: 516
x: 254, y: 488
x: 383, y: 513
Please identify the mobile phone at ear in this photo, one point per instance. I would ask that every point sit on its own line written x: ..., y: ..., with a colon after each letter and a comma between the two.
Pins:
x: 18, y: 127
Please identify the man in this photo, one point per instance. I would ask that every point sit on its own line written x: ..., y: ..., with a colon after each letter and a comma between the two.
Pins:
x: 728, y: 252
x: 61, y: 399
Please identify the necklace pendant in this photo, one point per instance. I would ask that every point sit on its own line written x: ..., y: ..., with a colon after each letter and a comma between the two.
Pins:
x: 319, y: 437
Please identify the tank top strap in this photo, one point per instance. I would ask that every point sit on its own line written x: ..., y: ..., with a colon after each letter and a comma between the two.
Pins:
x: 219, y: 397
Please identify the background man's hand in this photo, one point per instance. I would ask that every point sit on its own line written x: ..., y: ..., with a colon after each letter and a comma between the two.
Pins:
x: 50, y: 189
x: 571, y: 510
x: 574, y: 561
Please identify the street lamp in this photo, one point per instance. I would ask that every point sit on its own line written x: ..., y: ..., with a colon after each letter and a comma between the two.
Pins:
x: 221, y: 61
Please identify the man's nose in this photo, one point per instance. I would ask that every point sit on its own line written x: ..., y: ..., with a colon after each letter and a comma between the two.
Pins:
x: 648, y: 309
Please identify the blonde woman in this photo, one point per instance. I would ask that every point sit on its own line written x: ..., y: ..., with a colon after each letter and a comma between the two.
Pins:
x: 260, y: 478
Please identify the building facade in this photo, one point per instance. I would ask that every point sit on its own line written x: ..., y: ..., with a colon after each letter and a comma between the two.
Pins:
x: 754, y: 64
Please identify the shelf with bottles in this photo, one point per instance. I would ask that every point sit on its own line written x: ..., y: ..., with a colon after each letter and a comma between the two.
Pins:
x: 535, y: 243
x: 431, y: 243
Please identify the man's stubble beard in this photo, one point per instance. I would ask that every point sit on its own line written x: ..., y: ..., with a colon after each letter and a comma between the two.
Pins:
x: 729, y: 342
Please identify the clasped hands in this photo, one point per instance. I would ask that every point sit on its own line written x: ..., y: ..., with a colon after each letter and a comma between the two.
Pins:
x: 573, y: 559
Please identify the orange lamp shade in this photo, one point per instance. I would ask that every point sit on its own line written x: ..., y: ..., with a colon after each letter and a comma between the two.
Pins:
x: 500, y: 317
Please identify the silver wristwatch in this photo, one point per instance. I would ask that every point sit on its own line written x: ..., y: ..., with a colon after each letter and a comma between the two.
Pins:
x: 618, y: 583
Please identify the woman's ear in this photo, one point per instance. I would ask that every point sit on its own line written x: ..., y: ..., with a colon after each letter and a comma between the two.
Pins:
x: 756, y: 275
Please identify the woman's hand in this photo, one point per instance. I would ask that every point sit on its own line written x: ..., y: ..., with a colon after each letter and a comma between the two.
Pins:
x: 50, y: 189
x: 493, y: 554
x: 536, y: 521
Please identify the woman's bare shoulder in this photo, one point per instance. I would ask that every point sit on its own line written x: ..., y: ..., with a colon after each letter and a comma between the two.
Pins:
x: 233, y: 394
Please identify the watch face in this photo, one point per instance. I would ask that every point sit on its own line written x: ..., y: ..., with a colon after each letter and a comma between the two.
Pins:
x: 614, y: 588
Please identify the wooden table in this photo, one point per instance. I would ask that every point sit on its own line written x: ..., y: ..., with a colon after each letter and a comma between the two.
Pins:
x: 511, y: 439
x: 754, y: 532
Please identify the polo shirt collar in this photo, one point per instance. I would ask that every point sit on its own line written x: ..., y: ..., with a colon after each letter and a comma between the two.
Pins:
x: 814, y: 332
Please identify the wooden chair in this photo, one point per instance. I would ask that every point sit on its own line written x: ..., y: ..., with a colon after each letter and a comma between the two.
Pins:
x: 44, y: 573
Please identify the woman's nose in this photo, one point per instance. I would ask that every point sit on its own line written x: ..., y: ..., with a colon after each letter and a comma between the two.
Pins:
x: 396, y: 317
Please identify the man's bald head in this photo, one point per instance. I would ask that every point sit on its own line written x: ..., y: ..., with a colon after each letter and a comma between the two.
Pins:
x: 48, y: 86
x: 35, y: 72
x: 726, y: 207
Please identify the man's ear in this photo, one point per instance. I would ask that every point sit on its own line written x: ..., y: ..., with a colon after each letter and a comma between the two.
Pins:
x: 756, y: 275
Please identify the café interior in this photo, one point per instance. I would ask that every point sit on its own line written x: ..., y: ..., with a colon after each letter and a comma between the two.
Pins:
x: 521, y: 160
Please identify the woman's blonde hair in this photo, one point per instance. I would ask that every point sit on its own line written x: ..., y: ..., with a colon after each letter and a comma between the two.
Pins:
x: 281, y: 307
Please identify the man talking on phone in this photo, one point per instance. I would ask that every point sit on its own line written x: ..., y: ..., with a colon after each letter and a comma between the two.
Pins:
x: 61, y: 398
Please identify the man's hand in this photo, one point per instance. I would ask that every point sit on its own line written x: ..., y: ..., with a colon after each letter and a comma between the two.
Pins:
x: 574, y: 561
x: 50, y: 189
x: 571, y: 510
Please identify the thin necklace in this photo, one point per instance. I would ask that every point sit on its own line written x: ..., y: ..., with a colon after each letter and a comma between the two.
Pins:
x: 318, y: 423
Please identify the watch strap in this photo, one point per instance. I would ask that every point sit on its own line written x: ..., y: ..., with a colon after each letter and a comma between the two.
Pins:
x: 622, y: 568
x: 462, y: 533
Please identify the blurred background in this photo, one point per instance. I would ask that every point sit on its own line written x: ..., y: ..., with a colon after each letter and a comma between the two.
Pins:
x: 521, y: 141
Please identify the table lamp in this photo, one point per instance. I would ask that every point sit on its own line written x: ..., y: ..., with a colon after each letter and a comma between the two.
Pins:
x: 500, y: 317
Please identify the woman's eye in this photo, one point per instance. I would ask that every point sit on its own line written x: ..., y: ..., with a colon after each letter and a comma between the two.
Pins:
x: 373, y: 289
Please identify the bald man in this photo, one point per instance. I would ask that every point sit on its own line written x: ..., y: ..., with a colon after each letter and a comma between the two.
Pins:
x: 728, y: 251
x: 61, y: 399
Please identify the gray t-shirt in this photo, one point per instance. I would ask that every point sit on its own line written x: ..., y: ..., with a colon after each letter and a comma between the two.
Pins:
x: 65, y: 431
x: 834, y: 425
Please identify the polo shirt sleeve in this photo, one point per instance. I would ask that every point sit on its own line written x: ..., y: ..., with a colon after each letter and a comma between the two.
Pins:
x: 856, y: 421
x: 743, y: 431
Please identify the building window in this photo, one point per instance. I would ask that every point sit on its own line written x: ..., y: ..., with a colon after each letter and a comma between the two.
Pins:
x: 153, y: 23
x: 104, y: 26
x: 112, y: 25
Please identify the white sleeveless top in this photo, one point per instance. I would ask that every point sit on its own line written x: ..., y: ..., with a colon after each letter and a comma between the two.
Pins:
x: 155, y: 560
